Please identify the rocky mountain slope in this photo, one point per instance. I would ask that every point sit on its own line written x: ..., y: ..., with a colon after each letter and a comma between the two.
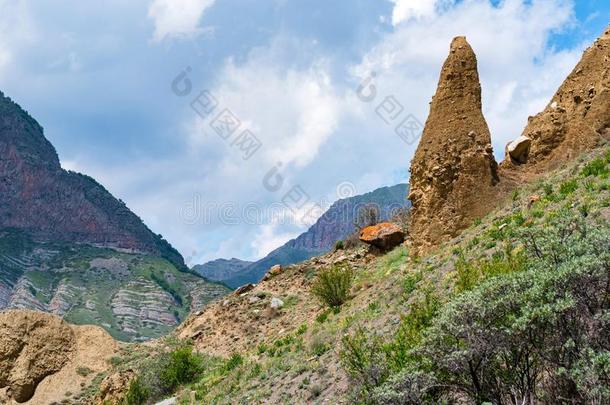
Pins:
x: 337, y: 223
x: 68, y: 247
x: 39, y: 197
x: 577, y: 117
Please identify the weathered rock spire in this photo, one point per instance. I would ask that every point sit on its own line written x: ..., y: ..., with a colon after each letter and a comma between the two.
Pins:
x: 453, y: 173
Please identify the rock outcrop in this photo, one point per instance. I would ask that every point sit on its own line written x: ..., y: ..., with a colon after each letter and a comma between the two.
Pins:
x: 578, y: 116
x: 32, y: 347
x: 453, y: 173
x: 384, y: 236
x: 45, y: 360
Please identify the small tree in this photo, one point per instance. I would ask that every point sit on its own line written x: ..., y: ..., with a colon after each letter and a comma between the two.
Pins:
x: 367, y: 215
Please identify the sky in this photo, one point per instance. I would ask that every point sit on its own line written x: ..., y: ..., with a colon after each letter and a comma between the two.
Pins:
x: 228, y: 126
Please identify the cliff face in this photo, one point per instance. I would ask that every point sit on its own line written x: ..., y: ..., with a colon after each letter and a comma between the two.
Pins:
x: 51, y: 204
x: 453, y: 172
x: 578, y: 116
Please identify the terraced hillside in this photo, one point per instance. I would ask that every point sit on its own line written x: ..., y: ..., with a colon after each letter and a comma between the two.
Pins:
x: 133, y: 296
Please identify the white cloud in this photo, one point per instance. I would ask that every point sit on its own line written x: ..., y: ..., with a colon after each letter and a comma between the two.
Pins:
x: 177, y: 18
x: 270, y: 238
x: 407, y: 9
x: 292, y: 110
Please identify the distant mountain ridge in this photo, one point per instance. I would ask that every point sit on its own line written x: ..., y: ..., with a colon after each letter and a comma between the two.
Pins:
x: 221, y: 269
x: 337, y: 223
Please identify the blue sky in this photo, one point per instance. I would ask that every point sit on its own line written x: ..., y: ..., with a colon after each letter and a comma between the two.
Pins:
x: 98, y: 78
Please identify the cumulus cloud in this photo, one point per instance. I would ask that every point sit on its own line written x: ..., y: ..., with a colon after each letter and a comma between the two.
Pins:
x: 292, y: 110
x: 177, y: 18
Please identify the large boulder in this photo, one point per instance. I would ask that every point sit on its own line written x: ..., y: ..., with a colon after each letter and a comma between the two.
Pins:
x: 33, y: 346
x: 518, y: 150
x: 454, y: 174
x: 385, y: 235
x: 578, y: 116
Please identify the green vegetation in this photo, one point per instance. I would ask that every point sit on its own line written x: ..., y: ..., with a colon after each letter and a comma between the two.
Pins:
x: 515, y: 311
x: 137, y: 394
x: 522, y: 327
x: 332, y: 285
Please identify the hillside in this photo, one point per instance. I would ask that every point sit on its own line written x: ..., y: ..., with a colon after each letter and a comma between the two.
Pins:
x: 68, y: 247
x: 306, y: 353
x: 337, y: 223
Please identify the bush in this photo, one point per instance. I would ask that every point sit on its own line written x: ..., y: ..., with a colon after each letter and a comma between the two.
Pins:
x: 597, y: 167
x: 233, y: 362
x: 182, y: 367
x: 137, y: 394
x: 339, y: 245
x: 332, y: 285
x: 568, y: 187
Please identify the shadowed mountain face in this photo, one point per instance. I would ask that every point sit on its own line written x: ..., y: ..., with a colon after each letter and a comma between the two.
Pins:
x: 337, y: 223
x: 51, y: 204
x: 68, y: 247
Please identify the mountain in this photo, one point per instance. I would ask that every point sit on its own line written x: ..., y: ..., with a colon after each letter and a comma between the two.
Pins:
x: 39, y: 197
x: 221, y: 269
x: 68, y: 247
x: 337, y: 223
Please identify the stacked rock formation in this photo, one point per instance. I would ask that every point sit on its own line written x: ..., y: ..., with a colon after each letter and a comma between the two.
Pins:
x: 453, y: 173
x: 577, y: 117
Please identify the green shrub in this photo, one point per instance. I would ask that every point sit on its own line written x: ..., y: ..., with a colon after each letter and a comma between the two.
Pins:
x: 183, y: 366
x: 339, y: 245
x: 539, y: 335
x: 597, y: 167
x: 332, y: 285
x: 233, y: 362
x: 322, y: 317
x: 137, y: 394
x: 83, y: 371
x: 568, y: 187
x: 471, y: 273
x: 318, y: 346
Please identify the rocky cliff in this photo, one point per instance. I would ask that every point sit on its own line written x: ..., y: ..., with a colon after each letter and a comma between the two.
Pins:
x: 577, y: 117
x: 453, y: 173
x: 44, y: 360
